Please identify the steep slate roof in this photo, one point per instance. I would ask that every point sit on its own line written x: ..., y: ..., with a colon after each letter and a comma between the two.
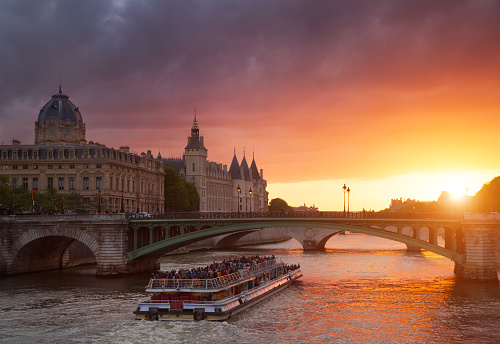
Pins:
x: 176, y: 164
x: 234, y: 170
x: 195, y: 144
x: 254, y: 172
x: 244, y: 169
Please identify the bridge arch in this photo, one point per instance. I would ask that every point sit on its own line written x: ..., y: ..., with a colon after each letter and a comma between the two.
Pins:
x: 316, y: 240
x: 231, y: 239
x: 39, y: 250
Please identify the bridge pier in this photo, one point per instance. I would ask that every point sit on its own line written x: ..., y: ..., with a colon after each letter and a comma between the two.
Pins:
x: 413, y: 248
x: 481, y: 239
x: 311, y: 239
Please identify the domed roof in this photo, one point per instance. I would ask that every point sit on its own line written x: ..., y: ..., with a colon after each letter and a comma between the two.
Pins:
x: 60, y: 108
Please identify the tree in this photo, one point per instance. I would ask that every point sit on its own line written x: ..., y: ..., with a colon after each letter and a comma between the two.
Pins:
x: 488, y: 198
x: 5, y: 193
x: 193, y: 196
x: 176, y: 194
x: 278, y: 204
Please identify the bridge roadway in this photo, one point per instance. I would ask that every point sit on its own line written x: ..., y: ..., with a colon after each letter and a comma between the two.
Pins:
x: 124, y: 245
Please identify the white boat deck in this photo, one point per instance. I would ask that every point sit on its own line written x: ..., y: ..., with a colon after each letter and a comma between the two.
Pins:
x: 212, y: 284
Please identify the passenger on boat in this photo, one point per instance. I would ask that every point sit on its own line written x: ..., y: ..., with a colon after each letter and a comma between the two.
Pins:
x: 214, y: 270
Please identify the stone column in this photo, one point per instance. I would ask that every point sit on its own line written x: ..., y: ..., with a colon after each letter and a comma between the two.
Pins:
x: 480, y: 234
x: 311, y: 239
x: 112, y: 233
x: 416, y: 235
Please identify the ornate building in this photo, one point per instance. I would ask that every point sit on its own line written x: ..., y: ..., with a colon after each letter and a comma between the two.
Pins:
x: 61, y: 158
x: 239, y: 189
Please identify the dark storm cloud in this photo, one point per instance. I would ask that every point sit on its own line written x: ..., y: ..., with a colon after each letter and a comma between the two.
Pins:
x: 158, y: 49
x: 146, y: 64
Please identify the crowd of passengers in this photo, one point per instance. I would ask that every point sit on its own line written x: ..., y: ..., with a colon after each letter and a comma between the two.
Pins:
x: 214, y: 270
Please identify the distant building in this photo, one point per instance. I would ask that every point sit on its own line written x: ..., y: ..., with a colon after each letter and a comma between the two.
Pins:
x: 305, y: 208
x: 397, y: 204
x: 61, y: 158
x: 217, y: 186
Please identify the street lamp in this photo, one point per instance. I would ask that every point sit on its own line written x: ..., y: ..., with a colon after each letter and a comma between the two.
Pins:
x: 348, y: 192
x: 62, y: 212
x: 99, y: 210
x: 157, y: 203
x: 13, y: 210
x: 250, y: 192
x: 122, y: 210
x: 344, y: 188
x: 239, y: 193
x: 138, y: 203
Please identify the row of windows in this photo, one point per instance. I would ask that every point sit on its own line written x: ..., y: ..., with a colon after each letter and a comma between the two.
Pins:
x: 145, y: 187
x: 49, y: 167
x: 72, y: 154
x: 85, y: 183
x: 60, y: 183
x: 61, y: 154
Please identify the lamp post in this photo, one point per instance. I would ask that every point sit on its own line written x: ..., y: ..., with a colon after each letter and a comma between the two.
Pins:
x: 250, y: 192
x: 344, y: 188
x: 138, y: 203
x: 239, y: 193
x: 13, y: 210
x: 348, y: 192
x: 99, y: 210
x: 62, y: 210
x: 157, y: 203
x: 122, y: 210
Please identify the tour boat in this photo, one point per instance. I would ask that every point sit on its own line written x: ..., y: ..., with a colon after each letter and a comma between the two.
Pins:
x: 216, y: 298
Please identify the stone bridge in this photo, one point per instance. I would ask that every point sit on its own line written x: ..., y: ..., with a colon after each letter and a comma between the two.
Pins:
x: 124, y: 246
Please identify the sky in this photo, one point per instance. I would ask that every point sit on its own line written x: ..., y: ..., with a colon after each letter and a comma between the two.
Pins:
x: 392, y: 98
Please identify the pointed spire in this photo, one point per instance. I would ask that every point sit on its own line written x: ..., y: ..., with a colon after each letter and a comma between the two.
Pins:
x: 195, y: 141
x: 254, y: 171
x: 195, y: 123
x: 245, y: 171
x: 234, y: 170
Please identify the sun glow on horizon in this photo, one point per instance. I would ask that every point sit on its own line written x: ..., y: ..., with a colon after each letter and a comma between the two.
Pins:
x: 376, y: 194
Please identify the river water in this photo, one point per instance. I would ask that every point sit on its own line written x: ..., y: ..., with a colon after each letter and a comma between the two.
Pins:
x: 362, y: 289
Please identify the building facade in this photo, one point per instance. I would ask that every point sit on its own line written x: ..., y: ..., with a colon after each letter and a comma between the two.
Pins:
x: 61, y: 158
x: 237, y: 189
